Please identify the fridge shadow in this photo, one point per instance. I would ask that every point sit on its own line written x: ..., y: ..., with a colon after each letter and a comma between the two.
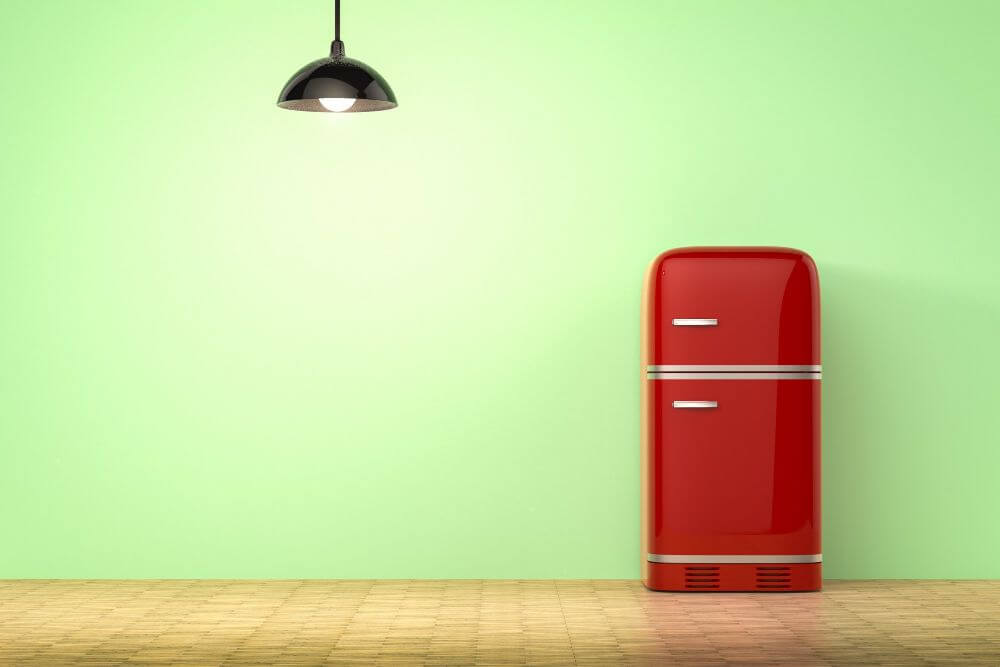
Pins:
x: 900, y: 354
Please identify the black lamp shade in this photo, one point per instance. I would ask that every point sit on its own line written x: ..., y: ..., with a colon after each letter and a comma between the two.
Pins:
x: 337, y: 84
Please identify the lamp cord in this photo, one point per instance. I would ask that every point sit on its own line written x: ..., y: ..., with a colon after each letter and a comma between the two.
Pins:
x: 337, y: 48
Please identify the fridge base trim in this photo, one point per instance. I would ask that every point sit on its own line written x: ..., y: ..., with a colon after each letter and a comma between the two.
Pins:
x: 757, y: 559
x: 734, y: 577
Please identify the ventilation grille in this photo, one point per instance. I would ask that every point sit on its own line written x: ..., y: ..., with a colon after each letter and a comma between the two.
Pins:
x: 772, y: 577
x: 701, y: 577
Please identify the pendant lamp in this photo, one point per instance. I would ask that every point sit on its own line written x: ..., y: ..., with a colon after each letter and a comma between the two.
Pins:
x: 337, y: 84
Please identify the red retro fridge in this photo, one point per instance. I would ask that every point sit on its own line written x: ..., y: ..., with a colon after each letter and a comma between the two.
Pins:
x: 731, y: 421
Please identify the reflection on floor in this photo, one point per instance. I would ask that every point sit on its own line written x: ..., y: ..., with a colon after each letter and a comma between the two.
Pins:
x: 493, y: 622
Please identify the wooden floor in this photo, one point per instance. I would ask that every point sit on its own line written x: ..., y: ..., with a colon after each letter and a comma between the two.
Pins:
x: 493, y: 622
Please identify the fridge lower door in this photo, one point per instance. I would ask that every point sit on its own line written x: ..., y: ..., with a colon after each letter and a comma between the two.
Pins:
x: 733, y: 471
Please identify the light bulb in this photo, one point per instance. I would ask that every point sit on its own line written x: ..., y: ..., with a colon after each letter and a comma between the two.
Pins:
x: 337, y: 103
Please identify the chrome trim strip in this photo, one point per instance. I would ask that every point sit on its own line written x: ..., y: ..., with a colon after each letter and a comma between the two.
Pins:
x: 693, y: 368
x: 734, y: 376
x: 696, y: 404
x: 732, y: 558
x: 695, y: 322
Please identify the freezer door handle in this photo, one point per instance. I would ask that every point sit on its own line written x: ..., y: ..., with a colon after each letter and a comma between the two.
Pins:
x: 696, y: 404
x: 695, y: 322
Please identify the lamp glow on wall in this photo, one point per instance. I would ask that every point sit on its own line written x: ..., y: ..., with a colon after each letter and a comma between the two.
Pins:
x: 337, y: 84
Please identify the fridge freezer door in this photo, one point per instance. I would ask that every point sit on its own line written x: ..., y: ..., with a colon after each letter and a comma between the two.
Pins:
x: 732, y: 306
x: 741, y: 477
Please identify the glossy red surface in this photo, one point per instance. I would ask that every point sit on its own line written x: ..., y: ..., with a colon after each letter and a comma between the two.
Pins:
x: 765, y: 299
x: 742, y: 478
x: 706, y: 578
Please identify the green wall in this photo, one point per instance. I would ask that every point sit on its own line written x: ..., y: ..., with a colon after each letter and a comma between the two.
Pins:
x: 243, y: 342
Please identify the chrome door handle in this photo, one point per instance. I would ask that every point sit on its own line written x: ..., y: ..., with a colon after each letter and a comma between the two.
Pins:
x: 695, y: 322
x: 696, y: 404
